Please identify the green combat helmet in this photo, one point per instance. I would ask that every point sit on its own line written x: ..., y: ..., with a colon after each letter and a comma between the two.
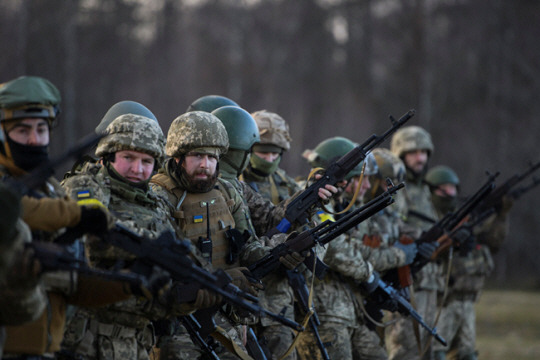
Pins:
x: 210, y: 103
x: 29, y: 97
x: 243, y: 133
x: 441, y: 174
x: 332, y: 149
x: 133, y: 132
x: 196, y: 130
x: 274, y: 132
x: 122, y: 108
x: 411, y: 138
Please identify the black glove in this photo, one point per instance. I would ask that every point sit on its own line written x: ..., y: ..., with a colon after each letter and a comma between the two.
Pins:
x: 427, y: 249
x: 464, y: 240
x: 410, y: 251
x: 376, y: 296
x: 10, y: 209
x: 94, y: 220
x: 154, y: 285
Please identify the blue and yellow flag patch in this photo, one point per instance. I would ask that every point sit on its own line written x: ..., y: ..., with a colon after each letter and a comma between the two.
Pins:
x: 325, y: 216
x: 197, y: 218
x: 85, y: 194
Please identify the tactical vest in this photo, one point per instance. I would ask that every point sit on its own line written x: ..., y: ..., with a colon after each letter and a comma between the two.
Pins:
x: 196, y: 213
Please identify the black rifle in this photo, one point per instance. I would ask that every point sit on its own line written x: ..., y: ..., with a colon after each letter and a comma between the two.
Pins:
x: 449, y: 222
x: 193, y: 327
x: 322, y: 234
x: 39, y: 175
x: 517, y: 193
x: 54, y: 257
x: 405, y: 308
x: 495, y: 198
x: 301, y: 292
x: 297, y: 209
x: 173, y: 256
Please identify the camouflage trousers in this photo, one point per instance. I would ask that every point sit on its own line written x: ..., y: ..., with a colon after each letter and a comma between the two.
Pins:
x: 457, y: 325
x: 400, y: 339
x: 277, y: 340
x: 97, y: 340
x: 179, y: 346
x: 342, y: 342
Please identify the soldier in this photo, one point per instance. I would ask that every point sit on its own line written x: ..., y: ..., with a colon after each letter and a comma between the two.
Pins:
x: 21, y: 298
x: 209, y: 103
x: 130, y: 152
x: 28, y: 109
x: 337, y: 296
x: 263, y: 176
x: 413, y: 145
x: 471, y: 264
x: 263, y: 173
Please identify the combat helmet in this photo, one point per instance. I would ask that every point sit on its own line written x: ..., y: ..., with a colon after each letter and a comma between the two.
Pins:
x: 210, y: 103
x: 390, y: 166
x: 332, y: 149
x: 411, y: 138
x: 133, y: 132
x: 441, y: 174
x: 274, y: 132
x: 121, y: 108
x: 29, y: 97
x: 196, y: 130
x: 241, y: 127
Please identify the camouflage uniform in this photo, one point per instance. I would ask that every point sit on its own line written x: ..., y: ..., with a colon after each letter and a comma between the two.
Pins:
x: 203, y: 133
x: 416, y: 198
x: 468, y: 272
x: 122, y: 330
x: 45, y: 210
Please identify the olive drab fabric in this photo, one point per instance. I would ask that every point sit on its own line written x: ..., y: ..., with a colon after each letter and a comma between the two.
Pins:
x: 196, y: 130
x: 28, y: 97
x: 133, y: 132
x: 241, y: 127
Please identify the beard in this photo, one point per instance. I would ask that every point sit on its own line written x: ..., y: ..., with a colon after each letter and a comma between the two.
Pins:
x: 192, y: 184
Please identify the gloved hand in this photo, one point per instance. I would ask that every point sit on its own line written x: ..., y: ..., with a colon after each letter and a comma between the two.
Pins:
x: 95, y: 219
x: 240, y: 277
x: 464, y: 239
x: 427, y: 249
x: 375, y: 295
x: 292, y: 260
x: 206, y: 298
x: 410, y: 251
x: 203, y: 299
x: 155, y: 285
x: 10, y: 209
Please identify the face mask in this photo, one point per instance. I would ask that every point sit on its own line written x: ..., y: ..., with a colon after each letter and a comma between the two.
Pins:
x: 444, y: 204
x: 28, y: 157
x: 264, y: 167
x: 234, y: 162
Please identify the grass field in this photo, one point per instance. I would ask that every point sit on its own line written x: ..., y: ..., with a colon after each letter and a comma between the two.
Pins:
x: 508, y: 325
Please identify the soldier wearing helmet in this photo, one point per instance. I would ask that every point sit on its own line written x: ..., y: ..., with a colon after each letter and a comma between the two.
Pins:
x: 209, y: 103
x: 413, y: 145
x: 469, y: 267
x: 28, y: 110
x: 337, y: 306
x: 263, y: 173
x: 208, y: 210
x: 129, y: 153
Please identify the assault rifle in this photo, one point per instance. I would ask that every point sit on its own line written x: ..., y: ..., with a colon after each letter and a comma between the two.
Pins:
x: 440, y: 230
x: 405, y: 308
x: 39, y: 175
x: 172, y: 255
x: 517, y: 193
x: 52, y: 257
x: 301, y: 292
x: 495, y: 198
x: 297, y: 209
x: 193, y: 327
x: 323, y: 233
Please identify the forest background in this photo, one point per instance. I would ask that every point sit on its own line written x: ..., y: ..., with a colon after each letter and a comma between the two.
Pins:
x: 471, y: 69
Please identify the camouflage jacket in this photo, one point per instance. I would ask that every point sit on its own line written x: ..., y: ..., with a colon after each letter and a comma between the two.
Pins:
x: 144, y: 212
x: 277, y: 187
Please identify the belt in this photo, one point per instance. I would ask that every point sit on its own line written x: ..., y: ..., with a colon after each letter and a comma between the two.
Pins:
x: 111, y: 330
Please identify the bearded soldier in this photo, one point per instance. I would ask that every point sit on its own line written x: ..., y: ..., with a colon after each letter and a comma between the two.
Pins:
x: 413, y: 145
